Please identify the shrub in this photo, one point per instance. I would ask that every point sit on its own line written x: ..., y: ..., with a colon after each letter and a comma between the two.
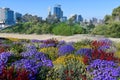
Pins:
x: 63, y: 29
x: 68, y: 68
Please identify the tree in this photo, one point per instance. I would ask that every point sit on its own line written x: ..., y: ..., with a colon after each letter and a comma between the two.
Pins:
x: 100, y: 30
x: 108, y: 19
x: 116, y: 12
x: 72, y: 20
x: 31, y: 18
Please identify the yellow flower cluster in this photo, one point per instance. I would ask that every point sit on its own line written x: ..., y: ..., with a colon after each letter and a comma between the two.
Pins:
x: 77, y: 47
x: 51, y: 51
x: 64, y: 60
x: 117, y: 54
x: 13, y: 39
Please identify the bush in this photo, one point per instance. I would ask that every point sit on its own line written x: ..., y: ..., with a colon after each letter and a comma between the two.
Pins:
x: 63, y: 29
x: 69, y: 67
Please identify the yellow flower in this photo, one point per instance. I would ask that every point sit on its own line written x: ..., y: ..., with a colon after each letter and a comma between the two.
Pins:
x: 117, y: 54
x: 13, y: 39
x: 51, y: 51
x: 64, y: 60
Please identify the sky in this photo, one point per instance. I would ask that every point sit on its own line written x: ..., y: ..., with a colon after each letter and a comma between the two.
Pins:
x: 86, y: 8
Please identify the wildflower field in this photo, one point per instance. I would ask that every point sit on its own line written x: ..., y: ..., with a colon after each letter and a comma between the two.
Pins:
x: 59, y: 60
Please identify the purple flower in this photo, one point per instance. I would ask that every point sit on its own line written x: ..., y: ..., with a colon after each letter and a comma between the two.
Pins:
x: 47, y: 63
x: 84, y: 51
x: 36, y: 41
x: 103, y: 48
x: 33, y: 60
x: 102, y: 69
x: 4, y: 56
x: 106, y: 42
x: 66, y: 49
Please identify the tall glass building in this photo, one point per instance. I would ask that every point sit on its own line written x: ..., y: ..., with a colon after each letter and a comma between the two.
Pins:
x: 58, y: 12
x: 80, y: 18
x: 18, y: 17
x: 7, y: 16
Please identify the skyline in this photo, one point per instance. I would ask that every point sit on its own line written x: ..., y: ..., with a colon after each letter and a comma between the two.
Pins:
x: 86, y: 8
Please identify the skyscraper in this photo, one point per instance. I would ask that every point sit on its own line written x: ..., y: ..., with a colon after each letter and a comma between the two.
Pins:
x: 18, y: 17
x: 6, y: 16
x: 58, y: 12
x: 80, y: 18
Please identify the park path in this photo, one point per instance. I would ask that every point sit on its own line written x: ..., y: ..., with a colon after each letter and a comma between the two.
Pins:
x: 73, y: 38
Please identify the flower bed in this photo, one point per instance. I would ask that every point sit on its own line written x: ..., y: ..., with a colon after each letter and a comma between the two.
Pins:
x: 58, y: 60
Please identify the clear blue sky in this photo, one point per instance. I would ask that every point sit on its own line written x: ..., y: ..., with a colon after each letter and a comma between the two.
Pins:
x: 87, y: 8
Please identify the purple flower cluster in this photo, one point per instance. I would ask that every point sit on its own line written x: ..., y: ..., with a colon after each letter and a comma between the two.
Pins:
x: 65, y: 49
x: 31, y: 50
x: 36, y: 41
x: 3, y: 59
x: 32, y: 60
x: 106, y: 45
x: 84, y: 52
x: 104, y: 48
x: 61, y: 43
x: 104, y: 70
x: 106, y: 41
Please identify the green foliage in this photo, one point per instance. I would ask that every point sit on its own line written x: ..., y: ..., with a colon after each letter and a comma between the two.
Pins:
x: 90, y: 27
x: 114, y: 29
x: 31, y: 18
x: 108, y: 19
x: 12, y: 59
x: 17, y: 49
x: 42, y: 74
x: 82, y: 44
x: 100, y: 30
x: 116, y: 12
x: 65, y: 29
x: 109, y: 30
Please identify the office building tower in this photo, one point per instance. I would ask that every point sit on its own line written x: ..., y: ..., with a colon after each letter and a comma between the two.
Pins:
x: 58, y: 12
x: 94, y: 20
x: 80, y: 18
x: 6, y: 16
x: 18, y: 17
x: 63, y: 19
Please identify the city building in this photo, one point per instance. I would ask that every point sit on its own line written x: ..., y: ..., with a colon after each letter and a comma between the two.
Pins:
x: 51, y: 18
x: 18, y: 17
x: 94, y: 21
x: 80, y: 18
x: 57, y: 11
x: 6, y: 17
x: 63, y: 19
x: 101, y: 21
